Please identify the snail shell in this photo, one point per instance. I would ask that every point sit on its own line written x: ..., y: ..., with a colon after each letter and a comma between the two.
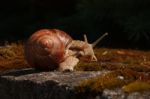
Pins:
x: 45, y: 49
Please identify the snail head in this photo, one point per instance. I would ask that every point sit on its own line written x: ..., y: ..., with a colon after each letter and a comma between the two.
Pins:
x: 88, y: 53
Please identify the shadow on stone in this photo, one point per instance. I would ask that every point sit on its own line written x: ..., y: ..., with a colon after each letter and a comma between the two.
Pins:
x: 20, y: 72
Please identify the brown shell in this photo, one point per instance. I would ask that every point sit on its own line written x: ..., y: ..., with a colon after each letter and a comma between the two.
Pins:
x: 45, y: 49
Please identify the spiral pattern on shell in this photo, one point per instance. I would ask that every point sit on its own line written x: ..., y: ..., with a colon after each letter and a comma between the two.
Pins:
x: 45, y: 49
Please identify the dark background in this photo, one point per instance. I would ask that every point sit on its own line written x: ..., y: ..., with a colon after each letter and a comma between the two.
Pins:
x: 126, y: 21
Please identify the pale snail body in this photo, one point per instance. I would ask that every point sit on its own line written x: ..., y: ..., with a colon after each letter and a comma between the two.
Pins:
x: 51, y: 49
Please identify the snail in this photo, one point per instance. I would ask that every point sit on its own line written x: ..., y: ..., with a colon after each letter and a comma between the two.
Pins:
x: 50, y: 49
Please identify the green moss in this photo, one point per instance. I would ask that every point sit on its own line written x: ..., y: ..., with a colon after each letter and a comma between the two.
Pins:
x: 88, y: 66
x: 12, y: 50
x: 126, y: 79
x: 6, y: 53
x: 12, y: 56
x: 136, y: 86
x: 108, y: 81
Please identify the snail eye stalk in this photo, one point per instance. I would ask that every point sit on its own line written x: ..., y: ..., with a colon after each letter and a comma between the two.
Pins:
x: 99, y: 39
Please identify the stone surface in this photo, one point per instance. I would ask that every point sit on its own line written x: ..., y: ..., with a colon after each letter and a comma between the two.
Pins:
x: 32, y: 84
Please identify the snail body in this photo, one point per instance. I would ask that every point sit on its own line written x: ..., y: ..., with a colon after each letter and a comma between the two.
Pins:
x: 50, y: 49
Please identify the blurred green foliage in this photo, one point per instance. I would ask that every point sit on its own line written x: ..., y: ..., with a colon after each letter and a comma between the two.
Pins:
x: 126, y: 21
